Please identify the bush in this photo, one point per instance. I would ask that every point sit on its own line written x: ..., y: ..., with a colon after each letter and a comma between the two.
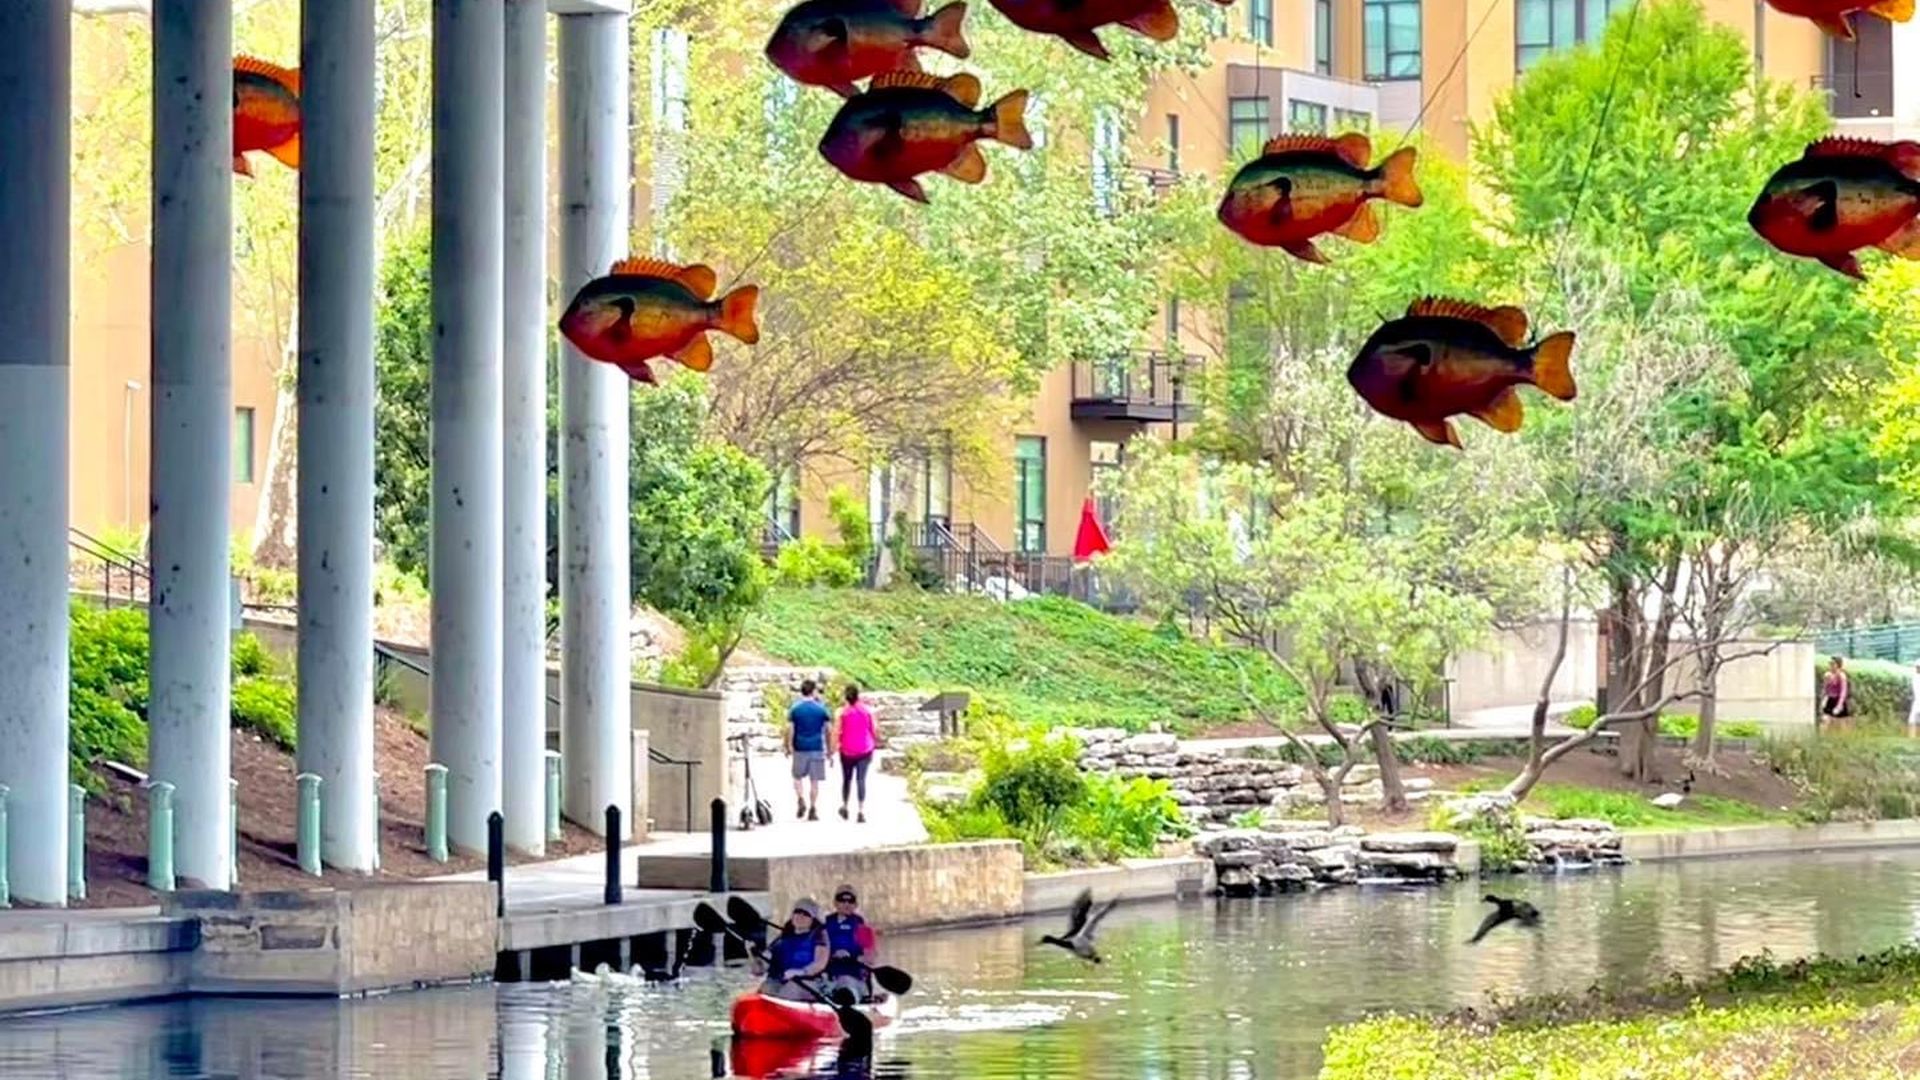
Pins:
x: 107, y: 687
x: 250, y: 657
x: 267, y: 706
x: 1032, y: 781
x: 1849, y: 777
x: 808, y: 563
x: 850, y: 521
x: 1121, y: 818
x: 1678, y: 726
x: 1502, y: 838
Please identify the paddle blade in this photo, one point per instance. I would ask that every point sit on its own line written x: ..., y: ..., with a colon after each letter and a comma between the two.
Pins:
x: 710, y: 920
x: 892, y: 979
x: 744, y: 913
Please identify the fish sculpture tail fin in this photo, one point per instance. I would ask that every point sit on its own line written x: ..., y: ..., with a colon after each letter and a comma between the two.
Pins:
x: 946, y: 32
x: 287, y: 153
x: 1552, y: 368
x: 1010, y: 120
x: 1396, y: 177
x: 1893, y: 10
x: 736, y: 314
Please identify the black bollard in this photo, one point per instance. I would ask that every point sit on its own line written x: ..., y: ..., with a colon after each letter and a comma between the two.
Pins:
x: 717, y: 874
x: 613, y: 854
x: 497, y: 860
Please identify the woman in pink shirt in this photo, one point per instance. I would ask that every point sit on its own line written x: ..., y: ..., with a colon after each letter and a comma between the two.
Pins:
x: 858, y: 739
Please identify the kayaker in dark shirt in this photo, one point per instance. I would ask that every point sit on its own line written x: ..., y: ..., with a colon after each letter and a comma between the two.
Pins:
x: 851, y: 942
x: 800, y: 952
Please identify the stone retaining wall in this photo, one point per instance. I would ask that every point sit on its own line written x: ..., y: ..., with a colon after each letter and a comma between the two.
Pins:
x: 1212, y: 786
x: 1297, y: 855
x: 744, y: 689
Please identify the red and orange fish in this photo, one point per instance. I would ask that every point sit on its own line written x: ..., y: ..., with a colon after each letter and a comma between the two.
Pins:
x: 647, y: 308
x: 1303, y: 186
x: 1446, y: 358
x: 1835, y: 16
x: 1844, y: 195
x: 908, y: 123
x: 1074, y: 21
x: 836, y: 43
x: 266, y: 112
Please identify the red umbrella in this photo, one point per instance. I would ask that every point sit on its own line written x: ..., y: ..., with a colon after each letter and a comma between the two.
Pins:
x: 1091, y: 539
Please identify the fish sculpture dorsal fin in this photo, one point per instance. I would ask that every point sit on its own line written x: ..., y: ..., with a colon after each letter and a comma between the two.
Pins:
x: 910, y: 8
x: 1508, y: 322
x: 699, y: 279
x: 1353, y: 148
x: 253, y: 65
x: 1850, y: 146
x: 963, y: 88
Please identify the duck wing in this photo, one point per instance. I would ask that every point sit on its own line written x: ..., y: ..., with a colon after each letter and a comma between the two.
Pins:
x: 1492, y: 920
x: 1097, y: 916
x: 1077, y: 920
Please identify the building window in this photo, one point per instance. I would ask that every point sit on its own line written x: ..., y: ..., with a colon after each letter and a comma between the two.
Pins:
x: 1171, y: 330
x: 1542, y: 27
x: 1307, y: 116
x: 783, y: 501
x: 1104, y: 462
x: 1323, y: 36
x: 1173, y: 142
x: 1392, y: 31
x: 1106, y: 159
x: 1247, y: 129
x: 1351, y: 120
x: 243, y: 445
x: 936, y: 487
x: 1030, y: 493
x: 1260, y: 21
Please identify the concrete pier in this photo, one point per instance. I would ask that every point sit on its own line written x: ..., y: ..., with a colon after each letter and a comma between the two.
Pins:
x: 192, y: 471
x: 523, y: 667
x: 468, y: 161
x: 35, y: 132
x: 336, y: 423
x: 595, y: 173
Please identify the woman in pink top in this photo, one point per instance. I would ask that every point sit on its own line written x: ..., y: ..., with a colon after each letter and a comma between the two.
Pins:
x: 858, y: 740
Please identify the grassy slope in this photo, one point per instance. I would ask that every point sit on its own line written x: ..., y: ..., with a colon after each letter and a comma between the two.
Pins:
x: 1042, y: 659
x: 1823, y: 1018
x: 1633, y: 811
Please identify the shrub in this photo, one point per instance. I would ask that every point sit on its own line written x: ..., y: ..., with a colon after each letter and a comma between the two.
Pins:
x: 809, y: 563
x: 250, y: 657
x: 1032, y: 781
x: 107, y: 687
x: 1502, y: 838
x: 851, y: 523
x: 1849, y: 777
x: 1120, y: 818
x: 1678, y: 726
x: 267, y: 706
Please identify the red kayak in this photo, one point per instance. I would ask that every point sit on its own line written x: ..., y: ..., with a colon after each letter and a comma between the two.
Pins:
x: 758, y: 1016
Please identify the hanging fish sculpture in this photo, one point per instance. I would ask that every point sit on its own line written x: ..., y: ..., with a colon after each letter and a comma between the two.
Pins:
x: 1447, y: 357
x: 266, y: 112
x: 836, y: 43
x: 1074, y: 21
x: 1841, y: 196
x: 646, y: 308
x: 1303, y: 186
x: 908, y: 123
x: 1835, y: 16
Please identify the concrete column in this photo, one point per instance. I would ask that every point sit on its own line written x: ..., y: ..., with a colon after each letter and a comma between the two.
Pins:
x: 335, y: 471
x: 35, y: 121
x: 523, y: 669
x: 595, y: 600
x: 469, y: 56
x: 191, y: 474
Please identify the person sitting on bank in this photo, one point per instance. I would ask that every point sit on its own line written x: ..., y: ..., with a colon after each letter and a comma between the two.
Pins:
x: 800, y: 952
x: 851, y: 942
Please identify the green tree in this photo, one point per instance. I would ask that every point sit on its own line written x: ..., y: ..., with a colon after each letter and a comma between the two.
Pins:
x: 402, y: 412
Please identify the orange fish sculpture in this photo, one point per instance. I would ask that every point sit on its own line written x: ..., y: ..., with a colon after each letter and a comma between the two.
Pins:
x: 266, y: 112
x: 909, y: 123
x: 836, y: 43
x: 1303, y: 186
x: 1074, y: 21
x: 1835, y: 16
x: 1844, y: 195
x: 646, y: 308
x: 1446, y: 358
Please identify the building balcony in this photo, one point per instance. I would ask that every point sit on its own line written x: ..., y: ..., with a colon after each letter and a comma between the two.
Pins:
x: 1140, y: 388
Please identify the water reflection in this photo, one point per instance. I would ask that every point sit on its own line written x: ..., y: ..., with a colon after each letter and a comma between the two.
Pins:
x: 1201, y: 991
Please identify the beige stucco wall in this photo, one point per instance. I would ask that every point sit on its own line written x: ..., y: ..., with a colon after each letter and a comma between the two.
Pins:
x: 1507, y: 671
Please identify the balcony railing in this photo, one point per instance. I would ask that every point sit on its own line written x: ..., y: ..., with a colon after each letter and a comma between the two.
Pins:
x: 1143, y: 388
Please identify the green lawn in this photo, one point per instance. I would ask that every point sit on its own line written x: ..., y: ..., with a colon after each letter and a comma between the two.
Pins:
x: 1043, y: 659
x: 1858, y: 1019
x: 1628, y: 810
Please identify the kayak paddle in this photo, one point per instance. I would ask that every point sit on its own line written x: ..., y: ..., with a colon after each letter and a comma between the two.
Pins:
x: 891, y: 979
x: 711, y: 921
x: 852, y: 1020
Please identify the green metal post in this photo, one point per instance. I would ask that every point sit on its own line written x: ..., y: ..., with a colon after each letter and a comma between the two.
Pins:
x: 6, y: 889
x: 160, y: 836
x: 309, y: 835
x: 376, y: 823
x: 233, y: 836
x: 553, y: 795
x: 76, y: 842
x: 437, y: 812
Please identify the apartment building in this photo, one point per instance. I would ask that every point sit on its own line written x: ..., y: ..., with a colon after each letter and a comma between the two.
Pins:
x: 1283, y: 66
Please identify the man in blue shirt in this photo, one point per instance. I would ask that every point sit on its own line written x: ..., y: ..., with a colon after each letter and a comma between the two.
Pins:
x: 806, y: 738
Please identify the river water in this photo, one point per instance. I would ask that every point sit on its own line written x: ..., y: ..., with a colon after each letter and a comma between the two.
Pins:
x: 1219, y: 990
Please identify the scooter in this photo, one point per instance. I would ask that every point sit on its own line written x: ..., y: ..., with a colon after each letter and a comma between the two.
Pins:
x: 757, y: 810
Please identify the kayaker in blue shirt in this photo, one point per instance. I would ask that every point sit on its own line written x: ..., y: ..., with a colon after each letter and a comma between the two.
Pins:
x: 800, y: 952
x: 851, y: 942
